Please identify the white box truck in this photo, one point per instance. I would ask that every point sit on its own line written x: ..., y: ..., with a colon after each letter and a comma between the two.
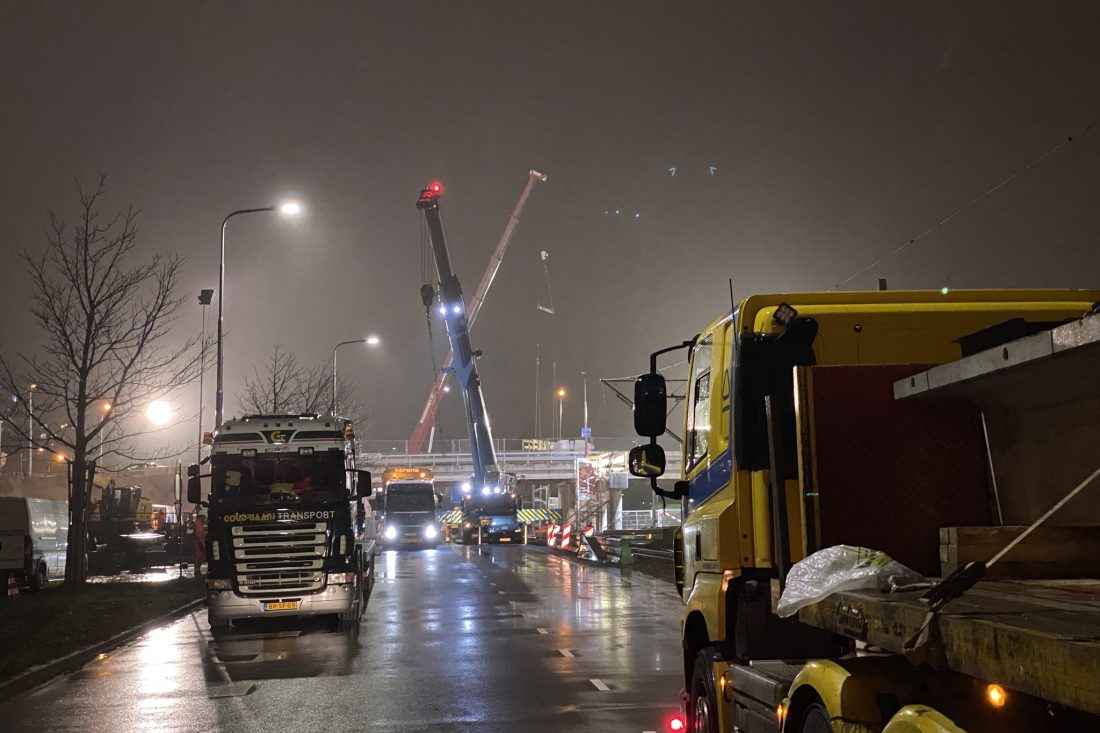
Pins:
x: 34, y: 539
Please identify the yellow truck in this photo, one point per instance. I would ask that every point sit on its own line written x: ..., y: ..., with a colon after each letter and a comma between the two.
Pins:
x: 928, y: 427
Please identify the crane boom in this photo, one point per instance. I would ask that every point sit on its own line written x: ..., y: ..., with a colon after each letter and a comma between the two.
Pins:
x: 482, y: 452
x: 427, y: 416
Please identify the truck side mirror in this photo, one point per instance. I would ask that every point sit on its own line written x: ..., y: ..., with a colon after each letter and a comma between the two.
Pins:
x: 194, y: 488
x: 362, y: 484
x: 647, y: 461
x: 192, y: 470
x: 650, y: 405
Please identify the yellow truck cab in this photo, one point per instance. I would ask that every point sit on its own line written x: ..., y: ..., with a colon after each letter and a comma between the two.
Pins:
x: 750, y: 506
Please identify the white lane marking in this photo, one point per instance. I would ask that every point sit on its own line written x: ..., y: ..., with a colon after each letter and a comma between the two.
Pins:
x: 599, y: 685
x: 501, y: 592
x: 566, y: 653
x: 493, y: 584
x: 543, y: 631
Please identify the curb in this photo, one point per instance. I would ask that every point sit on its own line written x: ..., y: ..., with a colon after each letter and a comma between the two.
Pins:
x: 70, y: 663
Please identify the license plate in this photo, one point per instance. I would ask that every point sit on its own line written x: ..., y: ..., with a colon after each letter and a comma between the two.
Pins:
x: 281, y: 606
x: 505, y: 539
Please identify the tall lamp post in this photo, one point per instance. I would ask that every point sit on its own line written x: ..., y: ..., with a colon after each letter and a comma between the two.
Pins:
x: 30, y: 429
x: 369, y: 341
x: 206, y: 296
x: 290, y: 208
x: 561, y: 408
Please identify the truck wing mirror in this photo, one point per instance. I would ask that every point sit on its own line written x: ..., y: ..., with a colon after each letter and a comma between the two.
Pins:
x: 647, y: 461
x: 194, y: 487
x: 362, y: 484
x: 650, y: 405
x: 192, y: 470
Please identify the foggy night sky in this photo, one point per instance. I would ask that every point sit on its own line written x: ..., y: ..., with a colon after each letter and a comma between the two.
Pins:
x: 838, y: 131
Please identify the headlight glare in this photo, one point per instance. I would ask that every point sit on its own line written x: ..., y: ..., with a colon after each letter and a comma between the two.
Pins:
x: 391, y: 532
x: 430, y: 531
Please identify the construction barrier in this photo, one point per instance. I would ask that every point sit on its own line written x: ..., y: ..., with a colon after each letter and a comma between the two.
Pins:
x: 13, y: 588
x: 553, y: 535
x: 530, y: 516
x: 566, y: 536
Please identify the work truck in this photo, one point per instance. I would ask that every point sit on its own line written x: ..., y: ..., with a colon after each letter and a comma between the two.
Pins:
x: 286, y: 528
x: 932, y: 428
x: 408, y: 507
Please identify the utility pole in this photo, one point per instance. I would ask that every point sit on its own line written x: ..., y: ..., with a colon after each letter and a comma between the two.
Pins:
x: 30, y: 430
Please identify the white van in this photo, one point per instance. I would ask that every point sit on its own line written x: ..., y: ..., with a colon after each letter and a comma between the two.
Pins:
x: 34, y: 539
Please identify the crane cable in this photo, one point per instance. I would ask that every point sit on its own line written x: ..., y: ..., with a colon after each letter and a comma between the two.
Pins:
x: 970, y: 204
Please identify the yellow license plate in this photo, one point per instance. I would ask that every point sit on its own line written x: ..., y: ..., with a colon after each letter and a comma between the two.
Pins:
x: 505, y: 539
x: 281, y: 606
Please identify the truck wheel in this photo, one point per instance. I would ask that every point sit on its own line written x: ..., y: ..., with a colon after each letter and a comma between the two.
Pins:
x: 218, y: 624
x: 815, y: 720
x: 703, y: 702
x: 350, y: 618
x: 39, y: 579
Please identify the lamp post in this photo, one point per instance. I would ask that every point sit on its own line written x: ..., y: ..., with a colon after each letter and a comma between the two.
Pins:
x: 369, y: 341
x: 290, y: 209
x: 205, y: 297
x: 30, y: 429
x: 561, y: 408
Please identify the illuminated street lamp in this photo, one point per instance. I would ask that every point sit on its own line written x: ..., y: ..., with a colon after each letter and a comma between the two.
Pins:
x: 561, y: 407
x: 289, y: 208
x: 158, y: 412
x: 371, y: 340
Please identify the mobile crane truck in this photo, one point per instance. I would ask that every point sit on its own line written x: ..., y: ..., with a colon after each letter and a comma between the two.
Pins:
x: 933, y: 427
x: 282, y: 539
x: 490, y: 507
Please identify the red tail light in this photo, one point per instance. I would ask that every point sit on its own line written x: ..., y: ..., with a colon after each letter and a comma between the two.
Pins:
x: 676, y: 723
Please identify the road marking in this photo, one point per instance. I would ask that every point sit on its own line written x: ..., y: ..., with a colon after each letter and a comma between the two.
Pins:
x: 543, y: 631
x: 501, y: 592
x: 493, y: 584
x: 566, y: 653
x: 599, y: 685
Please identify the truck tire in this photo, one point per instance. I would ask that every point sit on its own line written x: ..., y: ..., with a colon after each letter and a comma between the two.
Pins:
x: 218, y: 625
x: 815, y: 720
x: 703, y: 695
x: 39, y: 579
x: 350, y: 618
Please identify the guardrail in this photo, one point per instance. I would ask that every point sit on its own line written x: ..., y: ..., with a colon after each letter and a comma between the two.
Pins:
x: 641, y: 544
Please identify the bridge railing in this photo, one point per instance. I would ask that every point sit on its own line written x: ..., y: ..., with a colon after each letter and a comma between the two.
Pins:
x: 504, y: 445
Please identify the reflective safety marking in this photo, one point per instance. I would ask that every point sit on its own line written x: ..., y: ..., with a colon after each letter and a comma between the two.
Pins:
x: 543, y: 631
x: 566, y: 653
x: 599, y: 685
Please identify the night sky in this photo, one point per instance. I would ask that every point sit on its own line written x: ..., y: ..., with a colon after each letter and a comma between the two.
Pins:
x: 807, y: 140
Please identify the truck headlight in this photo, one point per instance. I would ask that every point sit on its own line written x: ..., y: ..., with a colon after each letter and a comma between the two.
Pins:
x: 430, y: 531
x: 219, y: 583
x: 340, y: 578
x: 390, y: 533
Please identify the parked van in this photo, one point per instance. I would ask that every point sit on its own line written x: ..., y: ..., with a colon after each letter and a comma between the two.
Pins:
x: 34, y: 539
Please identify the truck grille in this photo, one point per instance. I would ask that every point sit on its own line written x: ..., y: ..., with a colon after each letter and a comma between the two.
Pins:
x: 277, y: 559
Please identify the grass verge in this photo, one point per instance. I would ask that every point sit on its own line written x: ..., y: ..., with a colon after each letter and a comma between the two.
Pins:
x: 40, y: 627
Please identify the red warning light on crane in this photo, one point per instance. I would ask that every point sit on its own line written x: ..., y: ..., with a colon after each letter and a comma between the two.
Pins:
x: 436, y: 187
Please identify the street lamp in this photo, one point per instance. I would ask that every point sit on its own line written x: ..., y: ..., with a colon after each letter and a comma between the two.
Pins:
x: 561, y: 403
x: 371, y: 340
x: 206, y: 296
x: 30, y: 429
x: 159, y: 412
x: 290, y: 208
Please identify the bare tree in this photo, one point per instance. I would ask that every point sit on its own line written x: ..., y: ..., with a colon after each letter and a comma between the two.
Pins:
x: 286, y: 386
x: 106, y: 356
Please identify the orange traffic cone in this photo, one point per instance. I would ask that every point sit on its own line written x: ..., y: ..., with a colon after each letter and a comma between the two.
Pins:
x: 13, y: 588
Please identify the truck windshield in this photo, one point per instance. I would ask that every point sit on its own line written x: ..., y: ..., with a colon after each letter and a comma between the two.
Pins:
x: 412, y: 497
x: 278, y: 477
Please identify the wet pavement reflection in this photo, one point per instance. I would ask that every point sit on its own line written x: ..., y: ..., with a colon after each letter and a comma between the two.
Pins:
x: 459, y: 638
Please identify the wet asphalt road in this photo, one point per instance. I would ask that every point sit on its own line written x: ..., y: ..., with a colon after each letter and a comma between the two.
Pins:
x: 455, y: 639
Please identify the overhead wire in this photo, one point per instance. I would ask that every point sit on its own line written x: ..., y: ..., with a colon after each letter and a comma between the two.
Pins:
x: 973, y: 202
